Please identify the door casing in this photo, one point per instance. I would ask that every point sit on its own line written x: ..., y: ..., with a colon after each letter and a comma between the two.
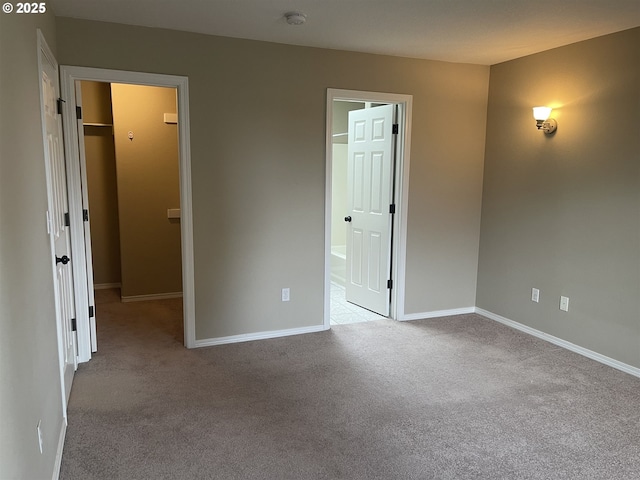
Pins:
x: 398, y: 253
x: 69, y: 76
x: 88, y: 258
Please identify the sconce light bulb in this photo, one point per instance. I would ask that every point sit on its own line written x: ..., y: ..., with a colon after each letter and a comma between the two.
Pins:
x: 541, y: 113
x: 543, y: 122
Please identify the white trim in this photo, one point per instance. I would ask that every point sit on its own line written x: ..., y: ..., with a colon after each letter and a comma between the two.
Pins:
x: 561, y: 343
x: 59, y: 449
x: 437, y: 313
x: 399, y: 252
x: 249, y: 337
x: 69, y: 76
x: 77, y: 227
x: 152, y: 296
x: 85, y: 235
x: 105, y: 286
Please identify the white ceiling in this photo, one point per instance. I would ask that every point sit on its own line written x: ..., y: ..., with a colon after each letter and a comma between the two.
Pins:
x: 468, y: 31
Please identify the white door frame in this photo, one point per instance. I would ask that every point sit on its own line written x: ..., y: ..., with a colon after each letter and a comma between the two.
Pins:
x: 403, y: 149
x: 69, y: 76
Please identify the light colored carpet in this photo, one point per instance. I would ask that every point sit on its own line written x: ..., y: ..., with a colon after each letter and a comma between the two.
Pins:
x: 455, y: 398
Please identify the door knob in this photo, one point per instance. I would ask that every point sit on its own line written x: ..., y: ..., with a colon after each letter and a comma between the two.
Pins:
x: 64, y: 260
x: 347, y: 219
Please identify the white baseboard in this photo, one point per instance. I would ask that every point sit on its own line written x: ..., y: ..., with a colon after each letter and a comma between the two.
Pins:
x: 153, y: 296
x: 209, y: 342
x: 561, y: 343
x: 438, y: 313
x: 104, y: 286
x: 58, y: 460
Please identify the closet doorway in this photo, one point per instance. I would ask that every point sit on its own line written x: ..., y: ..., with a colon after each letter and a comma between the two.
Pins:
x: 146, y: 220
x: 131, y: 151
x: 131, y: 159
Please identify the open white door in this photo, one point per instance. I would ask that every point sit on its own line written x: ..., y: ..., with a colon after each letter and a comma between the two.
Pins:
x: 58, y: 215
x: 86, y: 218
x: 369, y: 196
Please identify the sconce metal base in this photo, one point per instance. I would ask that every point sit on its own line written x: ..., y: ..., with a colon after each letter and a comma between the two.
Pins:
x: 548, y: 126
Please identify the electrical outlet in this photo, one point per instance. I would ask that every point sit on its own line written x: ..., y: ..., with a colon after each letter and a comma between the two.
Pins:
x: 286, y: 294
x: 564, y: 304
x: 535, y: 295
x: 39, y: 430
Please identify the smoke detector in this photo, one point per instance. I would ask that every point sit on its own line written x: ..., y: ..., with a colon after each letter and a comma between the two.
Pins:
x: 295, y: 18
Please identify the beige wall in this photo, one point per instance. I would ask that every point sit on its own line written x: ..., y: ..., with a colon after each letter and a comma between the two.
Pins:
x: 29, y: 368
x: 562, y: 213
x: 258, y: 166
x: 102, y: 182
x: 96, y: 103
x: 148, y: 184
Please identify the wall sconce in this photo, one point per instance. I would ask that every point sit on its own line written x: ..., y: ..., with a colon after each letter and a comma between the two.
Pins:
x: 543, y: 122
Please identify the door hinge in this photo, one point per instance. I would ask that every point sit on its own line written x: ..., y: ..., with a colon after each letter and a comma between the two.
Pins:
x: 91, y: 312
x: 85, y: 215
x: 395, y: 129
x: 79, y: 113
x: 389, y: 284
x: 67, y: 220
x: 392, y: 208
x: 59, y: 103
x: 74, y: 326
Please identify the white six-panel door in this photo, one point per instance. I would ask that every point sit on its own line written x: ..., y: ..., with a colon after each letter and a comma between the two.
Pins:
x: 56, y: 221
x: 369, y: 195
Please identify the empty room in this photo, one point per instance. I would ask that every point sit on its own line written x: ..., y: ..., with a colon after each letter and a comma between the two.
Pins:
x: 483, y: 319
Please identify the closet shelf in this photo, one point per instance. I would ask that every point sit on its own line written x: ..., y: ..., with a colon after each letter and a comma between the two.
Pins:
x: 92, y: 124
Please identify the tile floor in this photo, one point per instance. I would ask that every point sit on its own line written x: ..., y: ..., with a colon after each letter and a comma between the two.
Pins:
x: 343, y: 312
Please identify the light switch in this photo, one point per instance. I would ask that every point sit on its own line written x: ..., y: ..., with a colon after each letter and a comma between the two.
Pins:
x: 535, y: 295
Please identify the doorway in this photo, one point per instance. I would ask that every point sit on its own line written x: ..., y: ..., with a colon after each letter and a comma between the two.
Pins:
x: 131, y: 157
x: 71, y: 78
x: 368, y: 134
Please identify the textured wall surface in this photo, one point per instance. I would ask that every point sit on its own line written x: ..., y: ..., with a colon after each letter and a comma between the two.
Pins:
x: 148, y: 185
x: 258, y: 165
x: 30, y: 389
x: 562, y: 213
